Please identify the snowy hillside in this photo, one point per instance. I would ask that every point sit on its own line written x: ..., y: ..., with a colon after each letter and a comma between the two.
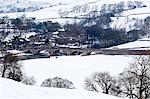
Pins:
x: 56, y: 9
x: 9, y: 6
x: 74, y: 68
x: 13, y: 90
x: 131, y: 18
x: 137, y: 45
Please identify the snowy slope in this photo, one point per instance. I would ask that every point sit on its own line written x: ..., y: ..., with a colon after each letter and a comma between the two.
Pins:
x: 13, y: 90
x: 6, y: 2
x: 137, y: 45
x: 54, y: 9
x: 75, y: 68
x: 9, y: 6
x: 128, y: 18
x: 69, y: 5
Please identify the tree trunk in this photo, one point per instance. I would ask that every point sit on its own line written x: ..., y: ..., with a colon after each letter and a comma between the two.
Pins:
x: 4, y: 69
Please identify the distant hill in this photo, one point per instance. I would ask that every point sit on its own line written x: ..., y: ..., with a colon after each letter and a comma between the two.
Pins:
x: 130, y: 11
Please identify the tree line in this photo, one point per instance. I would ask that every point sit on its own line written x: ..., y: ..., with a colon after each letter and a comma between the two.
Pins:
x: 133, y: 82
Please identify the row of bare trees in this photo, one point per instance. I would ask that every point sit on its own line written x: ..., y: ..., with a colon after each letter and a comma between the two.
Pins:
x: 133, y: 82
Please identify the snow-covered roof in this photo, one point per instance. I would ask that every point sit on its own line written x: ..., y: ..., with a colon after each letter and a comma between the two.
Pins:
x: 14, y: 51
x: 27, y: 35
x: 39, y: 43
x: 55, y: 33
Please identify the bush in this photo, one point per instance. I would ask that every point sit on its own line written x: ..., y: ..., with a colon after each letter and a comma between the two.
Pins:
x: 47, y: 83
x: 58, y: 83
x: 28, y: 80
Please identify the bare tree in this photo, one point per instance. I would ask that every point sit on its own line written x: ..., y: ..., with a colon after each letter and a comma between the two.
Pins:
x: 104, y: 81
x: 89, y: 84
x: 100, y: 81
x: 116, y: 89
x: 136, y: 79
x: 11, y: 68
x: 146, y: 26
x: 127, y: 84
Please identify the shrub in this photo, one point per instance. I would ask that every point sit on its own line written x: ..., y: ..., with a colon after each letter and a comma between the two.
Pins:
x: 28, y: 80
x: 58, y: 83
x: 47, y: 83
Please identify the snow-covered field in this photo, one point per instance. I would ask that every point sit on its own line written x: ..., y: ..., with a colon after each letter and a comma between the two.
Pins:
x: 140, y: 44
x: 13, y: 90
x: 74, y: 68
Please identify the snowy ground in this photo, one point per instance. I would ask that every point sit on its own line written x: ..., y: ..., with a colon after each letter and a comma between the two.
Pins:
x: 74, y: 68
x: 140, y: 44
x: 13, y: 90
